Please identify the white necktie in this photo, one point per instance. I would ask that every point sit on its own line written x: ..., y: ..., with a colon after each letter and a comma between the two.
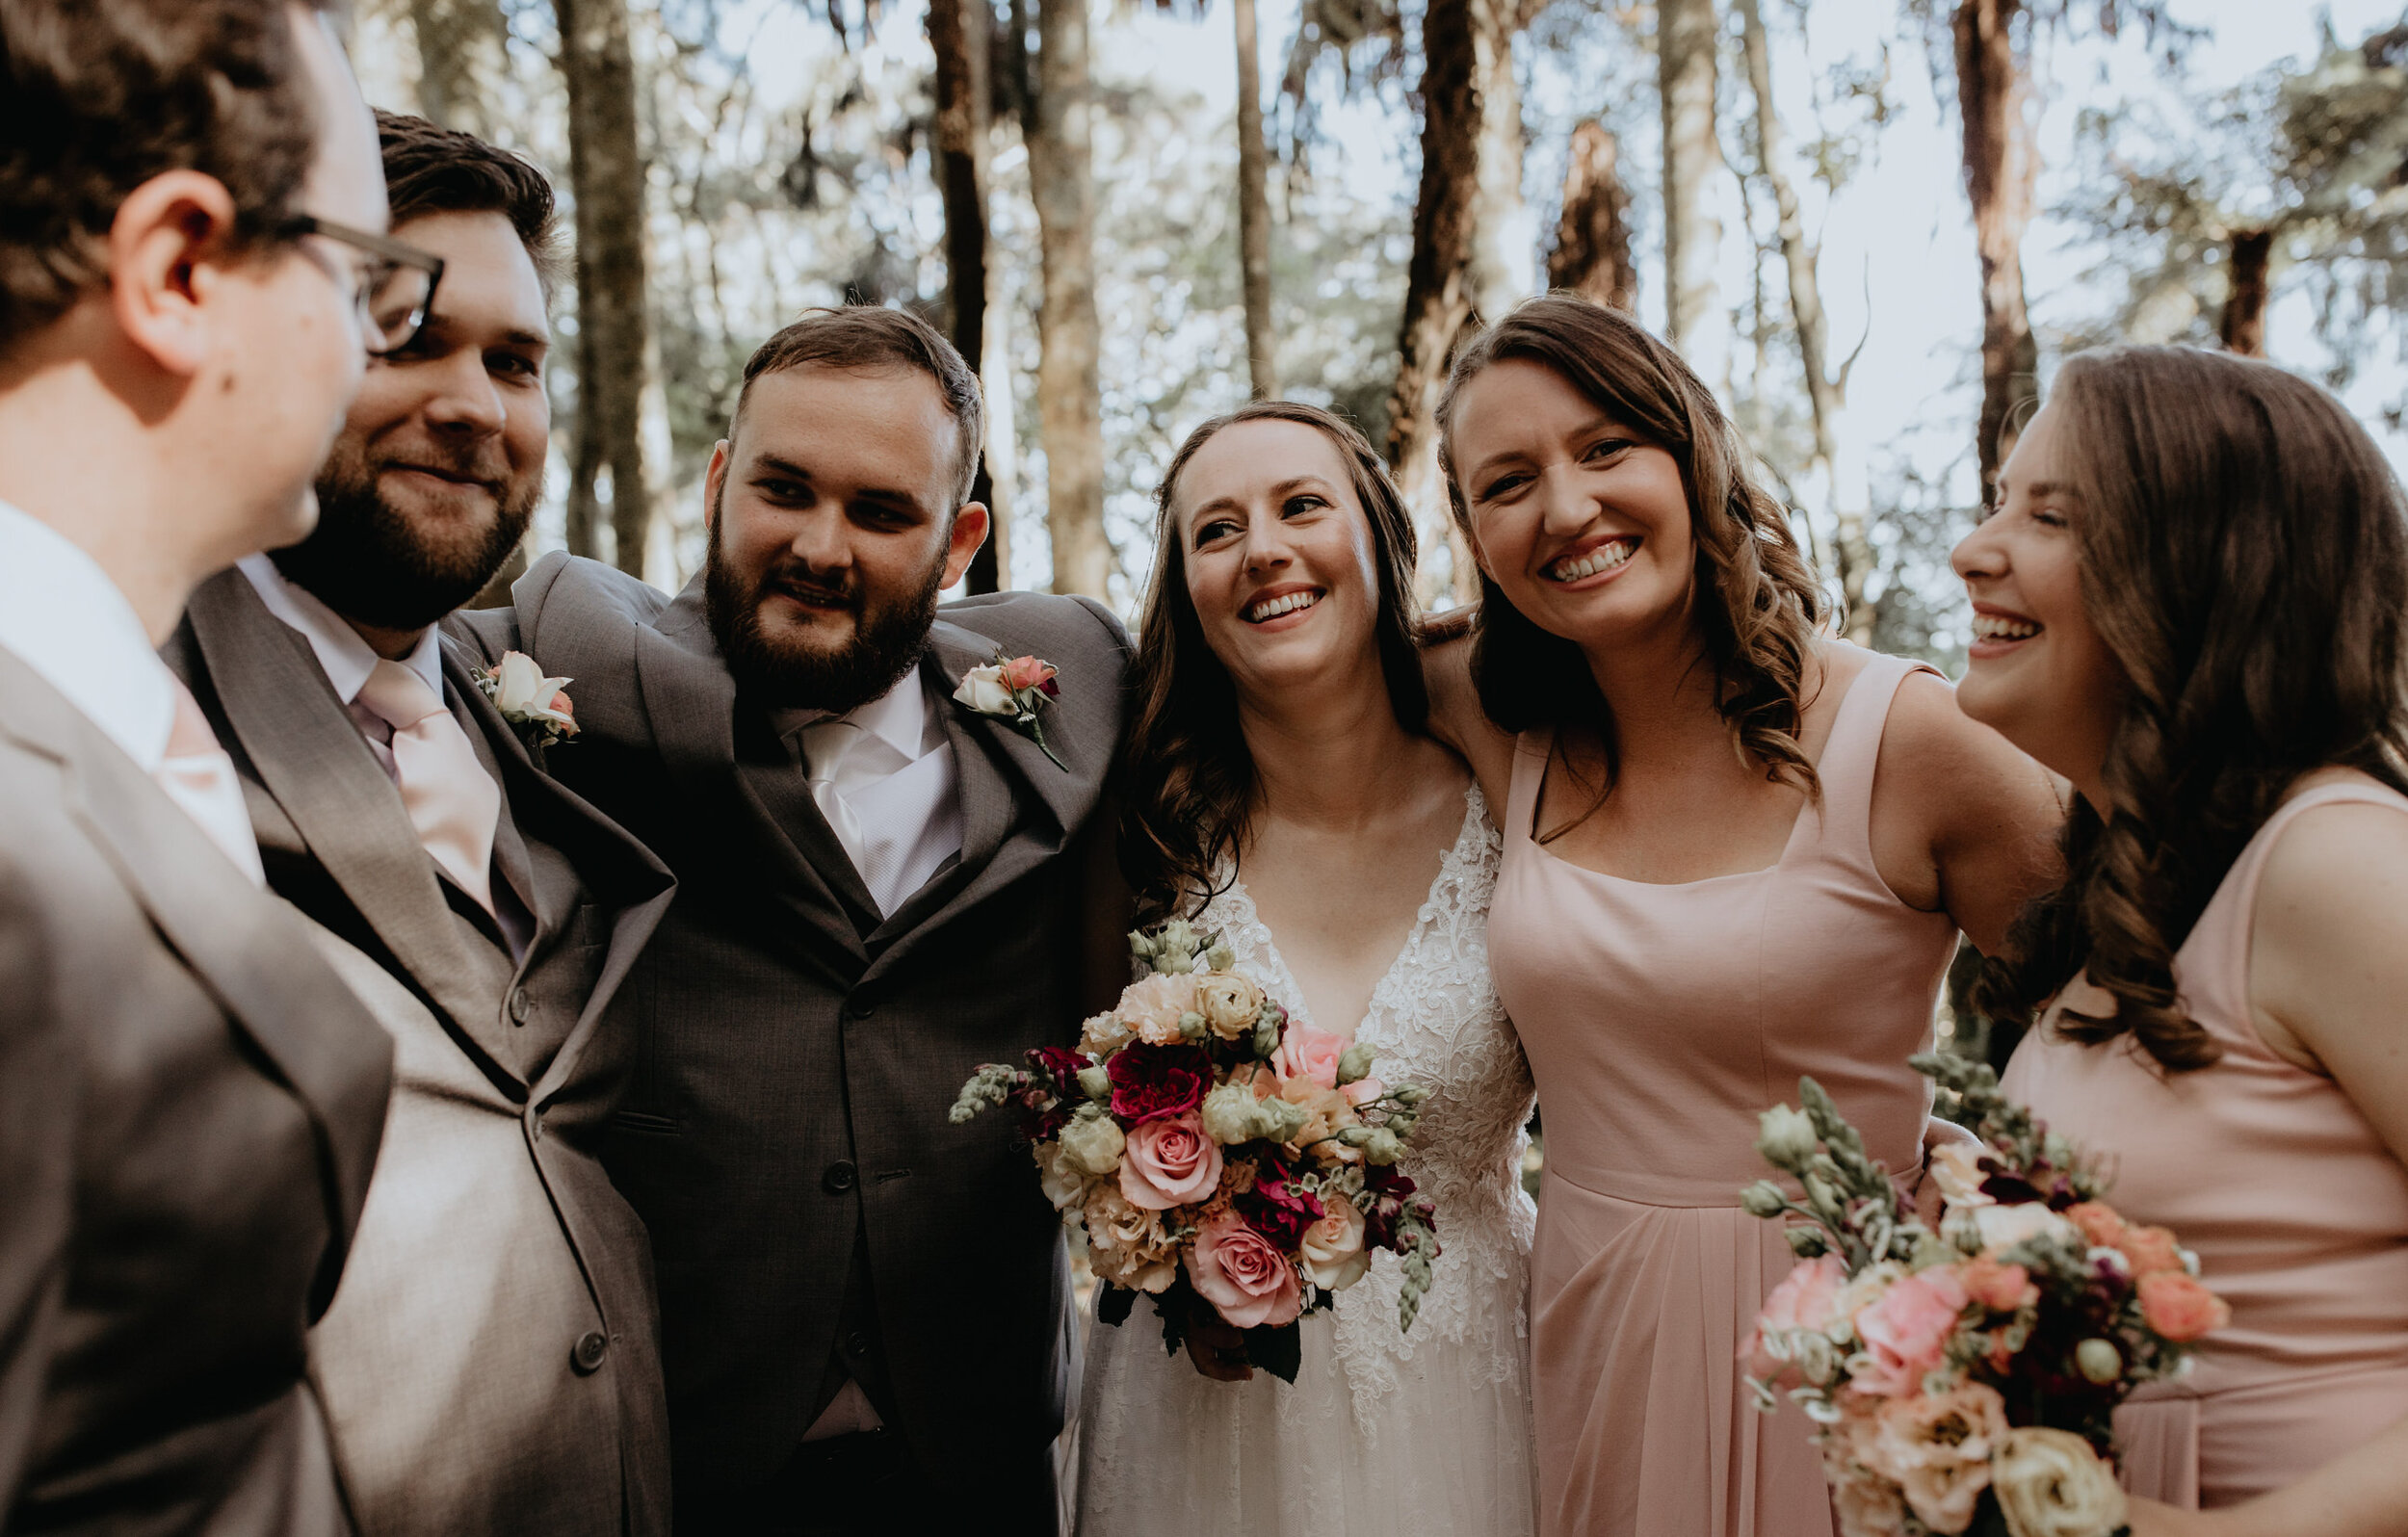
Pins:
x: 199, y: 776
x: 453, y: 803
x: 825, y: 747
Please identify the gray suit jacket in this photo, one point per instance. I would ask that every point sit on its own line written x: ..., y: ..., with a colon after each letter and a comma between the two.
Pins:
x: 490, y: 1365
x: 786, y: 1138
x: 190, y: 1103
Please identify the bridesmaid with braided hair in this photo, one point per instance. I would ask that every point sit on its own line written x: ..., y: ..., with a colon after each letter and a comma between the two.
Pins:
x: 2192, y: 602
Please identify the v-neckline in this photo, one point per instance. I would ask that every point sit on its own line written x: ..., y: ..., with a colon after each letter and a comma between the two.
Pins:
x: 1289, y: 994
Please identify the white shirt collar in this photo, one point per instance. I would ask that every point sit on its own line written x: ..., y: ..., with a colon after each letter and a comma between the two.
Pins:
x: 346, y: 658
x: 64, y: 618
x: 903, y: 718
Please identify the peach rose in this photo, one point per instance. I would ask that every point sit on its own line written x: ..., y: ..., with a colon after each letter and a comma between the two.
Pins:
x: 1248, y: 1281
x: 1025, y: 672
x: 1327, y: 1114
x: 2000, y: 1288
x: 1169, y: 1163
x: 1803, y: 1300
x: 1937, y: 1447
x: 2151, y: 1250
x: 2179, y: 1306
x: 1332, y: 1251
x: 1906, y: 1331
x: 2102, y: 1227
x: 1153, y: 1007
x: 1957, y: 1168
x: 1305, y: 1052
x: 1126, y: 1244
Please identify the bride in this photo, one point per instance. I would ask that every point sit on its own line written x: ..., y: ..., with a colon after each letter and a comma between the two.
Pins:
x: 1280, y: 790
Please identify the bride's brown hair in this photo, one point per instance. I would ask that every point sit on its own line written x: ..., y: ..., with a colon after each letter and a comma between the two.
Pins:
x: 1757, y: 599
x: 1188, y: 781
x: 2244, y: 555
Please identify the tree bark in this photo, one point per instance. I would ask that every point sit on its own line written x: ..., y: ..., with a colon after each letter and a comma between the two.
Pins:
x: 461, y: 54
x: 1687, y: 40
x: 958, y: 34
x: 1592, y: 251
x: 1827, y: 394
x: 606, y: 173
x: 2242, y: 327
x: 1262, y: 357
x: 2000, y: 169
x: 1069, y: 391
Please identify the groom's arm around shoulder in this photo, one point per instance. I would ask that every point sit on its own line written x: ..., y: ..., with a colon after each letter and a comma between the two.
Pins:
x: 1075, y: 625
x: 577, y: 618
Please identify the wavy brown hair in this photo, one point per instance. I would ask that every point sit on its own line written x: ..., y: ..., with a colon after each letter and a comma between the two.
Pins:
x: 1189, y: 780
x: 1759, y: 606
x: 2244, y: 555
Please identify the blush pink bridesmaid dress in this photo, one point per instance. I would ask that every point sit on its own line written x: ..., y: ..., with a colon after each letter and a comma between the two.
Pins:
x: 1658, y: 1021
x: 2298, y: 1212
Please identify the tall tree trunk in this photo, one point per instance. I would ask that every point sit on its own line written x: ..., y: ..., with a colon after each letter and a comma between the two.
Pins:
x: 959, y: 35
x: 1262, y: 355
x: 2242, y: 326
x: 1687, y: 40
x: 2000, y: 170
x: 1827, y: 394
x: 1505, y: 248
x: 1069, y: 390
x: 606, y: 173
x: 460, y: 57
x: 1592, y: 251
x: 1438, y: 294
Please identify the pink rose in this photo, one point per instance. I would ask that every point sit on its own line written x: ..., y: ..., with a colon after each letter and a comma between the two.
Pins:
x: 1906, y: 1330
x: 1026, y: 672
x: 2179, y: 1306
x: 1305, y: 1052
x: 1248, y: 1281
x: 1169, y: 1163
x: 1803, y: 1300
x: 1999, y: 1288
x: 1363, y: 1090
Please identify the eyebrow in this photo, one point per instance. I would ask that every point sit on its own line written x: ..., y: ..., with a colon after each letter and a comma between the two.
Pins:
x: 884, y: 496
x: 2038, y: 488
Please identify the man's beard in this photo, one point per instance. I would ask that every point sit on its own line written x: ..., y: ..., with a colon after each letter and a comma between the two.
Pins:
x: 368, y: 562
x: 888, y: 640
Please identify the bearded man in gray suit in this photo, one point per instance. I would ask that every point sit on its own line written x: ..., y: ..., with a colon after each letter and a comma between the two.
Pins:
x: 865, y: 1308
x: 490, y: 1365
x: 190, y: 1099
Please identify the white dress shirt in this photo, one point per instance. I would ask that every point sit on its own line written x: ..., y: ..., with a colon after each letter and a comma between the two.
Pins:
x: 898, y: 780
x: 62, y: 615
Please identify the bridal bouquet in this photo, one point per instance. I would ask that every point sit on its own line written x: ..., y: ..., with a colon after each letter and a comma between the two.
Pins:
x: 1964, y: 1380
x: 1217, y: 1151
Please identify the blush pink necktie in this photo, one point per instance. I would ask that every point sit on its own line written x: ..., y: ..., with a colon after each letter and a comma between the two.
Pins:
x: 452, y: 801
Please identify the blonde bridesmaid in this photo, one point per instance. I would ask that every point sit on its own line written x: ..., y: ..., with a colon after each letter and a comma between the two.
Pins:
x: 1735, y: 851
x: 2192, y: 604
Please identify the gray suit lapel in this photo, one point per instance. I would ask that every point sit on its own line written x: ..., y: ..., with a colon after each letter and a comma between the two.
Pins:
x: 309, y: 755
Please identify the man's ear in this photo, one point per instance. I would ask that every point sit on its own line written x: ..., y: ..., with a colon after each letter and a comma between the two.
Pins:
x: 712, y: 479
x: 168, y: 257
x: 969, y: 533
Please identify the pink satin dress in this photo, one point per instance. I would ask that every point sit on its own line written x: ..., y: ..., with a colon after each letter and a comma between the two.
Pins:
x: 2298, y: 1212
x: 1660, y: 1020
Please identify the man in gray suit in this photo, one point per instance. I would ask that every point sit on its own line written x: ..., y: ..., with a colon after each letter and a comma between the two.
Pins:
x: 879, y: 887
x: 192, y: 273
x: 490, y: 1366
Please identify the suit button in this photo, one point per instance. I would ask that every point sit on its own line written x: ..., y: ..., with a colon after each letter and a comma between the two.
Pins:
x: 859, y: 1011
x: 857, y: 1342
x: 587, y: 1356
x: 518, y: 1005
x: 841, y: 1176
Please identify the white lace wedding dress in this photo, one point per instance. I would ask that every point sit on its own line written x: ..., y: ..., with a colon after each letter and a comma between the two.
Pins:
x: 1384, y: 1433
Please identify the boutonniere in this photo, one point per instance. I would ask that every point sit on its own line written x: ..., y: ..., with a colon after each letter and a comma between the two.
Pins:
x: 1014, y: 690
x: 532, y: 703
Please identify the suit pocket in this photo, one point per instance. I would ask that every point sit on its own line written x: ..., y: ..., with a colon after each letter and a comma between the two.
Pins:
x: 644, y: 1123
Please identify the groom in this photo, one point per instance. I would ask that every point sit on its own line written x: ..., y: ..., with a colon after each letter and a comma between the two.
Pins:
x: 864, y: 1306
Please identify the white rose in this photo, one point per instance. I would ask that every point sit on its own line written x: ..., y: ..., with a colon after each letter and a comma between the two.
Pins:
x: 521, y: 689
x: 1229, y: 1004
x: 1230, y: 1116
x: 2003, y: 1227
x: 2051, y: 1484
x: 1063, y: 1182
x: 1092, y: 1144
x: 1332, y: 1252
x: 982, y: 689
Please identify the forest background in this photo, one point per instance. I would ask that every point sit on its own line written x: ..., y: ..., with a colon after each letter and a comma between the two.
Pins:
x: 1872, y: 226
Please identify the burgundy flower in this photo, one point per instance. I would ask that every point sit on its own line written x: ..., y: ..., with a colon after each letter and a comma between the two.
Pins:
x: 1277, y: 1210
x: 1061, y: 1064
x: 1152, y: 1082
x: 1390, y: 1191
x: 1041, y: 1113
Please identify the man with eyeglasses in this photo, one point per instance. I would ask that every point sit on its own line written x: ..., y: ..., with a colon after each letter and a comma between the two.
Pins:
x: 190, y: 1098
x: 490, y: 1368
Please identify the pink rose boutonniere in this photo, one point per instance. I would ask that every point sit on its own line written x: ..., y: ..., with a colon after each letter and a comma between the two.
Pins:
x: 1015, y: 691
x: 532, y: 703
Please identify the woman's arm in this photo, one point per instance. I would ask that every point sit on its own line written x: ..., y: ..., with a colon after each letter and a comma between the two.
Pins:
x: 1455, y: 718
x: 1963, y: 822
x: 2360, y: 1494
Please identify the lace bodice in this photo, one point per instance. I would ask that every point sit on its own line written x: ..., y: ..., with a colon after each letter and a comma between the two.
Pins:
x: 1434, y: 1020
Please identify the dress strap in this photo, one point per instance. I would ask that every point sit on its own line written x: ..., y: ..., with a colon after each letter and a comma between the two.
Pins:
x: 2213, y: 961
x: 1850, y: 756
x: 1530, y: 752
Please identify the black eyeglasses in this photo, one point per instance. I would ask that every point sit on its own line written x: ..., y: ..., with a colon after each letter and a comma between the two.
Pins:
x: 394, y: 287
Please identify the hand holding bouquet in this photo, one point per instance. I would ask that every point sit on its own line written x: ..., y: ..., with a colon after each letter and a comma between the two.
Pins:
x: 1964, y: 1380
x: 1218, y: 1154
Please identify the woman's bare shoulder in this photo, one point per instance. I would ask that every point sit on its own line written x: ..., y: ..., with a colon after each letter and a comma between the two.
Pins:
x: 1456, y: 720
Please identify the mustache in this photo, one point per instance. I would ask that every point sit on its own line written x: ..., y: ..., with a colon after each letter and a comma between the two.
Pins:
x: 796, y: 579
x: 484, y: 463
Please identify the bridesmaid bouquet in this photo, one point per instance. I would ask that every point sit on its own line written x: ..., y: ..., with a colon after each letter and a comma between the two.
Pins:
x: 1215, y: 1151
x: 1964, y: 1380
